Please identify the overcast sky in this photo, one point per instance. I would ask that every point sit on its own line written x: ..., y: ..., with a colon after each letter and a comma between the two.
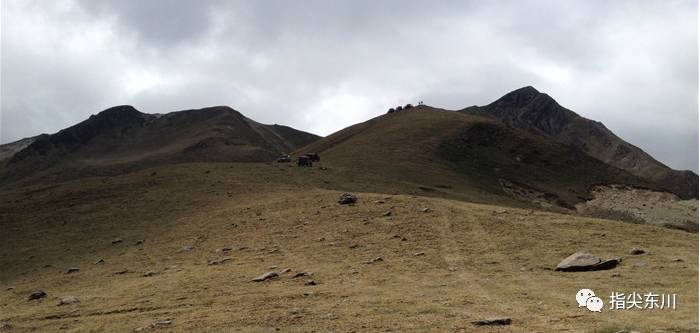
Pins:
x: 320, y: 66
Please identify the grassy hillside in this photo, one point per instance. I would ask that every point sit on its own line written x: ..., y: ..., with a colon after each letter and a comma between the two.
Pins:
x: 465, y: 156
x: 441, y: 268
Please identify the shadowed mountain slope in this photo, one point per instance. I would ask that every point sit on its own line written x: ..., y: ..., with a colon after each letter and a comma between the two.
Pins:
x: 478, y: 158
x: 122, y: 138
x: 528, y: 109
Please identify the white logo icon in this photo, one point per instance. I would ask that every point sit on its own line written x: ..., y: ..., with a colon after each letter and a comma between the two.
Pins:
x: 583, y: 295
x: 587, y: 298
x: 594, y: 304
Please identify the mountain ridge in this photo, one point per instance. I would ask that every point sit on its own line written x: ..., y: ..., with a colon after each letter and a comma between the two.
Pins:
x: 121, y: 138
x: 529, y: 109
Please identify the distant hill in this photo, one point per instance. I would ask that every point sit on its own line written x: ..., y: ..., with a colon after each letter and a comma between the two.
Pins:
x: 476, y: 158
x: 121, y: 138
x: 528, y: 109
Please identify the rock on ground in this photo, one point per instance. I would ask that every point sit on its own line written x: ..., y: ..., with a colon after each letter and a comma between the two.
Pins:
x: 69, y: 300
x: 488, y: 322
x: 584, y: 261
x: 37, y: 294
x: 637, y: 251
x: 347, y: 199
x: 266, y: 276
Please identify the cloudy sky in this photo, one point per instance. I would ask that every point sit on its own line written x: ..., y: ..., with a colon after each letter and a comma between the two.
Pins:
x: 322, y: 65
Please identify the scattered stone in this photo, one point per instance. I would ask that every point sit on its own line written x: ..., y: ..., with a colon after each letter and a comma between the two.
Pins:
x: 36, y: 294
x: 490, y: 322
x: 161, y: 323
x: 226, y: 249
x: 219, y: 261
x: 67, y: 300
x: 10, y: 288
x: 186, y: 248
x: 636, y: 251
x: 418, y: 254
x: 150, y: 273
x: 615, y: 275
x: 302, y: 274
x: 379, y: 202
x: 387, y: 213
x: 155, y: 325
x: 425, y: 210
x: 310, y: 283
x: 354, y: 246
x: 72, y: 270
x: 286, y: 270
x: 99, y: 261
x: 377, y: 259
x: 677, y: 260
x: 500, y: 211
x: 266, y: 276
x: 347, y: 199
x: 123, y: 271
x: 116, y: 241
x: 583, y: 261
x: 139, y: 242
x: 5, y: 326
x: 296, y: 313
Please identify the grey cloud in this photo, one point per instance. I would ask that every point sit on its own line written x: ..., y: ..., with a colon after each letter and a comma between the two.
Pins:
x: 323, y: 65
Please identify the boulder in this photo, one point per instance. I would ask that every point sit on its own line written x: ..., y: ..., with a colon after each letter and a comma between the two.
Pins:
x: 584, y: 261
x: 150, y: 273
x: 36, y: 294
x: 636, y: 251
x: 490, y: 322
x: 66, y: 300
x: 302, y: 274
x: 347, y: 199
x: 219, y: 261
x: 266, y: 276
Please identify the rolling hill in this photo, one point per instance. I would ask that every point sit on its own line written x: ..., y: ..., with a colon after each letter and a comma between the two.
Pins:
x: 122, y: 139
x: 528, y: 109
x: 473, y: 158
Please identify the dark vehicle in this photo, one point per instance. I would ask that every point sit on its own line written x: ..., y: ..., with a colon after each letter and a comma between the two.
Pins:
x: 304, y: 161
x: 314, y: 157
x: 284, y: 159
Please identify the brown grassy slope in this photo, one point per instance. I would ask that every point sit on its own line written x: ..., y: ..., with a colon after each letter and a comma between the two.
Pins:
x: 466, y: 155
x: 121, y: 138
x: 478, y: 261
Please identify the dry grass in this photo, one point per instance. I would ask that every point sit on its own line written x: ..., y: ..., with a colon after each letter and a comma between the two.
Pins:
x: 478, y: 261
